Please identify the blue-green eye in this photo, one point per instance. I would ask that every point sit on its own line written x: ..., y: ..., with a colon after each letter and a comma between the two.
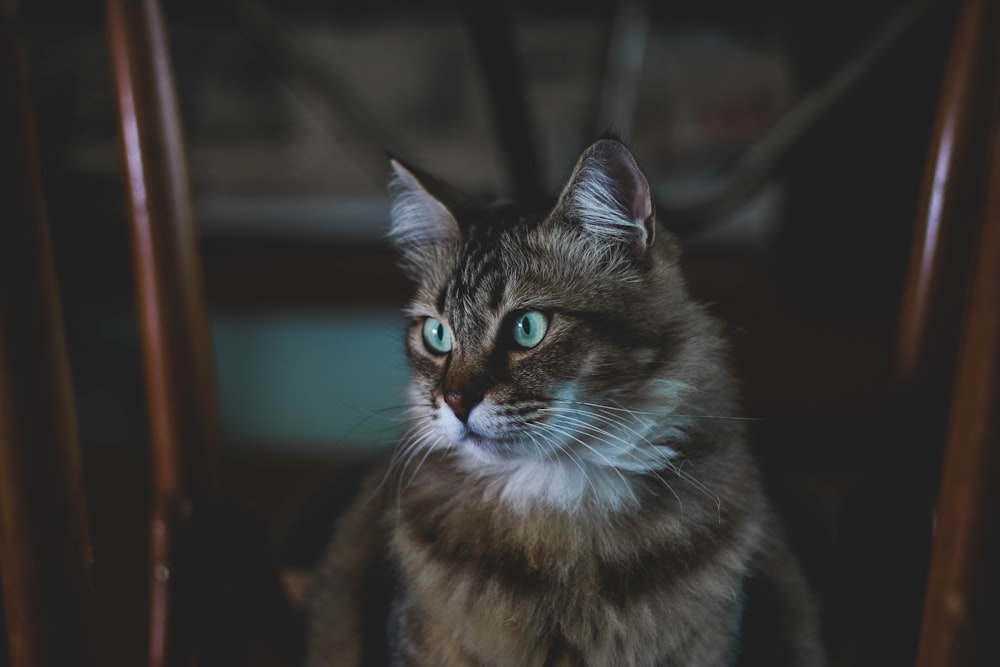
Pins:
x: 530, y: 328
x: 436, y: 336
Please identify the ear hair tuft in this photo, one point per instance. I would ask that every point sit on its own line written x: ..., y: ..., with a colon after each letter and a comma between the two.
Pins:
x: 609, y: 197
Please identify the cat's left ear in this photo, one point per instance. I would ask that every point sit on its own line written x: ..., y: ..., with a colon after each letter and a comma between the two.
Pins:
x: 609, y: 197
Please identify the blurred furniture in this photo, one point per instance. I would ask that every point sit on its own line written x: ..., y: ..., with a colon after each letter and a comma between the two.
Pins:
x: 955, y: 270
x: 929, y: 505
x: 214, y: 597
x: 180, y: 376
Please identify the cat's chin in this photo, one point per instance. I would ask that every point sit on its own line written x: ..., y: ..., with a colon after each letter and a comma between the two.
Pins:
x: 473, y: 439
x: 487, y: 451
x: 490, y: 446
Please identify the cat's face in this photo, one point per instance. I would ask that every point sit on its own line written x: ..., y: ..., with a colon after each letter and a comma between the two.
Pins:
x: 547, y: 339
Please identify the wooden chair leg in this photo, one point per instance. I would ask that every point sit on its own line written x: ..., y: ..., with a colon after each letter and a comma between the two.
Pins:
x: 179, y: 372
x: 213, y: 590
x: 945, y: 229
x: 46, y: 562
x: 961, y: 606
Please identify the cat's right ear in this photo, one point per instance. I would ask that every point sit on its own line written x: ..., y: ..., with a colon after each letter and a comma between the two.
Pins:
x: 419, y: 218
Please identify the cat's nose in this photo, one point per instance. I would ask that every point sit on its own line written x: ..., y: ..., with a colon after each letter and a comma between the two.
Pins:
x: 462, y: 402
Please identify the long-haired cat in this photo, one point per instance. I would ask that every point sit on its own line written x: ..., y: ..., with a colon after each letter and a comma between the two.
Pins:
x: 575, y: 488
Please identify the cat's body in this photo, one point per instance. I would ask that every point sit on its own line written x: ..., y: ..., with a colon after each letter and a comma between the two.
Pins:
x: 576, y: 489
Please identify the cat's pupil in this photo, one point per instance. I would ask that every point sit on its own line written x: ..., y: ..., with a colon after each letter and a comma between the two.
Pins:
x: 526, y: 325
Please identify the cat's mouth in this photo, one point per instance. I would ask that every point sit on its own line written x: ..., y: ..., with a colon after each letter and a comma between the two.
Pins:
x: 484, y: 432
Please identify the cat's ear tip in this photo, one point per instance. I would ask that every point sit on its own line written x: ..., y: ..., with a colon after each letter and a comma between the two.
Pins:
x: 402, y: 173
x: 609, y: 150
x: 394, y: 162
x: 610, y: 144
x: 612, y: 135
x: 398, y: 165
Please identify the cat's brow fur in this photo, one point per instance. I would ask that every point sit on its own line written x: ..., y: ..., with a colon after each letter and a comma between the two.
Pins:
x: 599, y: 505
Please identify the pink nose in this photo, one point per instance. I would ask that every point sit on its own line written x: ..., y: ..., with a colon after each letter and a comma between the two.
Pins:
x: 461, y: 403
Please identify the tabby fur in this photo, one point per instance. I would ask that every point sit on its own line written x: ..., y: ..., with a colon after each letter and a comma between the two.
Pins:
x: 590, y: 500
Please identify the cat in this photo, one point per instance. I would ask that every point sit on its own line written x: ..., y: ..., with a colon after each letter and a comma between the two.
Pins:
x: 576, y: 487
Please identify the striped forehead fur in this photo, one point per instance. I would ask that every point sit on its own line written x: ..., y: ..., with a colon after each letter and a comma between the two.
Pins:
x: 566, y: 259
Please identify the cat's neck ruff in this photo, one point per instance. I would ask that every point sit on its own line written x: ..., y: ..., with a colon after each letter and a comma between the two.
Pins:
x: 561, y: 484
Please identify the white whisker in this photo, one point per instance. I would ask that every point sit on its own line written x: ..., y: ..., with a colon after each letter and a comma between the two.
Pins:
x: 687, y: 477
x: 662, y: 459
x: 570, y: 435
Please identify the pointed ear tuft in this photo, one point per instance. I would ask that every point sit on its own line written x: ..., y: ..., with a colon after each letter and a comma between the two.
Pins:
x: 609, y: 197
x: 418, y: 217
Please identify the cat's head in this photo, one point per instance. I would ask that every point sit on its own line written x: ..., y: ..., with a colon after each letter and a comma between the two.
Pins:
x: 546, y: 338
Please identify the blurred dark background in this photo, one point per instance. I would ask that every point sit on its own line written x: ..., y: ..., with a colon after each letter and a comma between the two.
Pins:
x: 785, y: 142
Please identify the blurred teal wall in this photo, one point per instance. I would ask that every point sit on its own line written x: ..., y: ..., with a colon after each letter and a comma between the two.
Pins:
x: 312, y: 379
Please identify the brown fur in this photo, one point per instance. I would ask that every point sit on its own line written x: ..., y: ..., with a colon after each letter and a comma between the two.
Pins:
x: 502, y: 588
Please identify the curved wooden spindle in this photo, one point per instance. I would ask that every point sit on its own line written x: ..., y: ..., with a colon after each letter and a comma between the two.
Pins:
x: 176, y: 341
x: 961, y: 604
